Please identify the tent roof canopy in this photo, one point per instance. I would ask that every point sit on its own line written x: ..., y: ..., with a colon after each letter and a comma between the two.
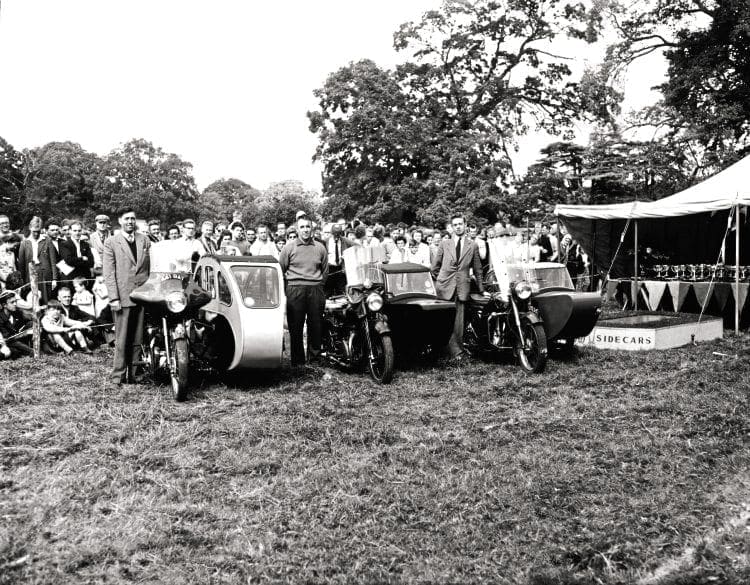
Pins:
x: 722, y: 191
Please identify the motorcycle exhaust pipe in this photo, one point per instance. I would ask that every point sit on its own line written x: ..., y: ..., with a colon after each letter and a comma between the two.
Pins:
x: 335, y: 360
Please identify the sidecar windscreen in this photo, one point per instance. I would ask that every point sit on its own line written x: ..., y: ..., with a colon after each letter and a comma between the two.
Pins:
x: 171, y: 256
x: 259, y: 285
x: 363, y: 264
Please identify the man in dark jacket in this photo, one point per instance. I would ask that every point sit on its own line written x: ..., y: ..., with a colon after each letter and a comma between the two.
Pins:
x: 14, y: 327
x: 77, y: 254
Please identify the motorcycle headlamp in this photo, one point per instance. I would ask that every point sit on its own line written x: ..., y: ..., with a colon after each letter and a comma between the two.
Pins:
x: 374, y: 302
x: 523, y: 290
x: 176, y: 301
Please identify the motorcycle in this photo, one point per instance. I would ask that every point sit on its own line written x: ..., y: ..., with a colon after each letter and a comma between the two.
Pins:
x: 356, y: 333
x: 503, y: 319
x: 171, y: 299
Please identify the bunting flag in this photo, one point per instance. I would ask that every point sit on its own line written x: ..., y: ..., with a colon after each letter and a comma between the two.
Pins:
x: 721, y: 295
x: 679, y: 291
x: 703, y: 292
x: 654, y: 293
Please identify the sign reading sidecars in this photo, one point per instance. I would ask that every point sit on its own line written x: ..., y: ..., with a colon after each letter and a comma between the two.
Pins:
x: 630, y: 339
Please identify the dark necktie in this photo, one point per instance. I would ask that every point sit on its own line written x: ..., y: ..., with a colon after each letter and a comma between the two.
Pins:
x: 336, y: 246
x: 458, y: 249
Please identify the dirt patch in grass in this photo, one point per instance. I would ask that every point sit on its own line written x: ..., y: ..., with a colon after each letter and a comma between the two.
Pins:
x: 608, y: 468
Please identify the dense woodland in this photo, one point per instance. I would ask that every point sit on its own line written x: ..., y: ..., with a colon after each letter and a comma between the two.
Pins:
x: 438, y: 132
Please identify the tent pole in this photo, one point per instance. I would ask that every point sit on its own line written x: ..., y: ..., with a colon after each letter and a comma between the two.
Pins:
x: 635, y: 267
x: 737, y: 270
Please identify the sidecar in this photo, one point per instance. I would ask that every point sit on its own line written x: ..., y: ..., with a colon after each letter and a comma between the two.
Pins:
x: 243, y: 322
x: 566, y: 313
x: 419, y: 321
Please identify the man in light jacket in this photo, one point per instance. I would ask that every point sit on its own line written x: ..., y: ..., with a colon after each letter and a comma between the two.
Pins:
x: 126, y: 266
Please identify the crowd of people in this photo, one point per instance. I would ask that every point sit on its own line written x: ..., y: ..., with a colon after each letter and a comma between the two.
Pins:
x: 75, y: 300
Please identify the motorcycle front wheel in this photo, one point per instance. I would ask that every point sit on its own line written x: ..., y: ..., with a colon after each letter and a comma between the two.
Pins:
x: 532, y: 356
x: 381, y: 366
x: 180, y: 374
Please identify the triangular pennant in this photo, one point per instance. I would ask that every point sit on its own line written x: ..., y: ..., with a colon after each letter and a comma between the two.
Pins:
x: 703, y: 292
x: 721, y: 295
x: 743, y: 295
x: 679, y: 291
x: 655, y: 290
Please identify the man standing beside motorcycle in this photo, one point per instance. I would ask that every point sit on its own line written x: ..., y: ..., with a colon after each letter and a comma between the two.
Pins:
x: 304, y: 262
x: 456, y: 257
x: 126, y: 265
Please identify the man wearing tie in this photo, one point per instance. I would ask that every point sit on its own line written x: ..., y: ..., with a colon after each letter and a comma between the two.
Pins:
x: 126, y: 266
x: 77, y: 253
x: 454, y: 260
x: 336, y: 244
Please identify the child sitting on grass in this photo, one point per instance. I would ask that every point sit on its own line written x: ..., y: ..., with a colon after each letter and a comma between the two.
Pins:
x: 83, y: 298
x: 62, y: 331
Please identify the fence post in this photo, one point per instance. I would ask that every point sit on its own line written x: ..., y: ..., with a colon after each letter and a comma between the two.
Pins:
x: 36, y: 332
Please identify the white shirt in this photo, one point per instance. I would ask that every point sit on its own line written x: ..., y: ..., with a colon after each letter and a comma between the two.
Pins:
x: 267, y: 248
x: 421, y: 256
x: 333, y: 243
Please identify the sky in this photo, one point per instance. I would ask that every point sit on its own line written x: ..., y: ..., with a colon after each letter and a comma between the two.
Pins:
x: 225, y: 84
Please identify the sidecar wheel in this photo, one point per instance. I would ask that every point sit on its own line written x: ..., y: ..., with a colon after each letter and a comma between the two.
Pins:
x: 533, y: 357
x: 180, y: 377
x: 381, y: 368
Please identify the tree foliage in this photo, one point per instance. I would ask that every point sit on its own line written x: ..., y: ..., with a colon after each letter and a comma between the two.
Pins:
x: 158, y: 184
x: 60, y: 180
x: 282, y: 200
x: 435, y: 134
x: 610, y: 169
x: 12, y: 163
x: 229, y: 199
x: 706, y: 98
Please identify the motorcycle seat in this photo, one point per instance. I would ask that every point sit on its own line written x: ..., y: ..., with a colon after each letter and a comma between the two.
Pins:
x: 477, y: 299
x: 337, y: 303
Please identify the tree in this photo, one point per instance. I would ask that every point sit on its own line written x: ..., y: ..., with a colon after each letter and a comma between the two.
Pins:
x: 706, y: 99
x: 156, y: 183
x: 434, y: 135
x: 60, y: 179
x: 12, y: 165
x: 229, y: 199
x: 610, y: 169
x: 282, y: 200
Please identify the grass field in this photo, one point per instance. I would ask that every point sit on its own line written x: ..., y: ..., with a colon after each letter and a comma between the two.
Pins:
x: 608, y: 468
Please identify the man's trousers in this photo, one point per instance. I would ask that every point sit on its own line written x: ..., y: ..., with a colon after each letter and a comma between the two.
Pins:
x: 304, y: 302
x: 128, y: 340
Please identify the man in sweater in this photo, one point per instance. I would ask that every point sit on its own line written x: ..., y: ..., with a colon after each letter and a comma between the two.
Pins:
x: 304, y: 262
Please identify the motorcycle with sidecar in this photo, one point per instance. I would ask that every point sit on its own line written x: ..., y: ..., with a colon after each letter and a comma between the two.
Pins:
x: 502, y: 319
x: 213, y: 313
x: 356, y: 332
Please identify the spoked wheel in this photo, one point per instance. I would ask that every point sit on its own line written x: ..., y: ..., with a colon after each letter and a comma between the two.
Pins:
x: 533, y: 354
x: 381, y: 366
x: 180, y: 374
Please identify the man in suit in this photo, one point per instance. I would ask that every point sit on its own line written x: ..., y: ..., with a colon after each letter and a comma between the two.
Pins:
x: 77, y: 253
x: 126, y: 266
x: 28, y: 251
x: 49, y: 256
x: 454, y: 260
x: 335, y: 245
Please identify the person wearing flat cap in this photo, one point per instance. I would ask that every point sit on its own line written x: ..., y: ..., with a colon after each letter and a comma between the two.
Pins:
x: 14, y: 327
x: 97, y: 239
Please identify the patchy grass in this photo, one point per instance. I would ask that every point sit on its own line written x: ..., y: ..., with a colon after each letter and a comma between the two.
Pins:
x: 608, y: 468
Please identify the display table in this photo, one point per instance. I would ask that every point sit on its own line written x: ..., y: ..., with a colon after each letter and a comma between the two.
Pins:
x: 654, y: 294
